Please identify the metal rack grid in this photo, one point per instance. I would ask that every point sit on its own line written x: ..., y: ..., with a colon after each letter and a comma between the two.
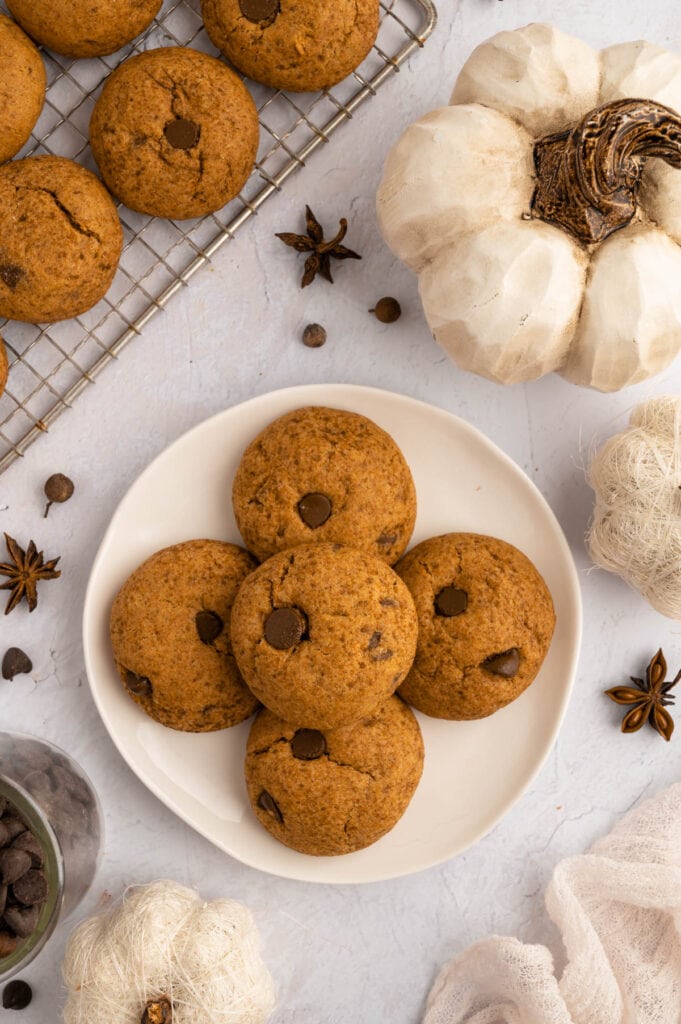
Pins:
x: 51, y: 365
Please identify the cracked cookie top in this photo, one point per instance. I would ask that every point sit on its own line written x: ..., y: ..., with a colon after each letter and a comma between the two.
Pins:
x: 61, y: 239
x: 318, y: 474
x: 328, y: 793
x: 84, y: 28
x: 22, y: 87
x: 323, y: 634
x: 299, y: 45
x: 170, y: 636
x: 174, y: 133
x: 486, y: 619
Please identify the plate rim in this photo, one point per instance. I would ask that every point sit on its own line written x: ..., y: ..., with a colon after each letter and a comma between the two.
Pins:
x: 573, y: 597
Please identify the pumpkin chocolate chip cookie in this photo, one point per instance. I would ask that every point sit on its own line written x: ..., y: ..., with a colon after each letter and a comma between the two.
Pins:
x: 22, y: 87
x: 319, y: 474
x: 300, y: 45
x: 486, y: 619
x: 61, y: 239
x: 171, y: 641
x: 332, y: 792
x: 174, y: 133
x: 323, y: 634
x: 84, y: 28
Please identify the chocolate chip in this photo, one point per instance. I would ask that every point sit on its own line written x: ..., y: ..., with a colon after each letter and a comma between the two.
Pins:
x: 4, y: 835
x: 284, y: 628
x: 209, y: 625
x: 14, y: 864
x: 382, y: 655
x: 374, y: 641
x: 140, y: 686
x: 267, y: 803
x: 28, y: 842
x: 308, y: 744
x: 314, y: 509
x: 388, y: 602
x: 181, y: 133
x: 451, y: 601
x: 22, y: 920
x: 31, y: 888
x: 16, y: 995
x: 15, y: 663
x: 11, y: 274
x: 13, y: 824
x: 3, y: 898
x: 8, y: 943
x: 504, y: 664
x: 386, y: 539
x: 259, y: 10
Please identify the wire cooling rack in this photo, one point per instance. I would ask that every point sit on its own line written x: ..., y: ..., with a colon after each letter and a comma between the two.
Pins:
x: 51, y: 365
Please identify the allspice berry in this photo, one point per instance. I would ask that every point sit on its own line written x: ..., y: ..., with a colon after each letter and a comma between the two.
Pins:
x: 314, y: 336
x: 57, y: 488
x: 387, y: 310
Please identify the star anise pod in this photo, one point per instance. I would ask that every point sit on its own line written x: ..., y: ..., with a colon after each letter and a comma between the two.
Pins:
x: 24, y: 572
x: 321, y: 252
x: 649, y: 700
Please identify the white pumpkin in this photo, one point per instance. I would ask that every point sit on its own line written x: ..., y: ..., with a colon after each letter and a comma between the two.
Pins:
x: 508, y: 291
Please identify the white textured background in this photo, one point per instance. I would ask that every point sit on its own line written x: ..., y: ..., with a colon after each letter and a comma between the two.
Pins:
x: 351, y: 954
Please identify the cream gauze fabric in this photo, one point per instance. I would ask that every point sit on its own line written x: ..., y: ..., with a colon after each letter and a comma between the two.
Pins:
x: 618, y: 909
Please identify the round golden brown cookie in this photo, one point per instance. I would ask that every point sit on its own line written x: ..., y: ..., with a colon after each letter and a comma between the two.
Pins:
x: 174, y: 133
x: 333, y: 792
x: 22, y: 87
x: 299, y: 45
x: 61, y: 239
x: 170, y: 636
x: 320, y: 474
x: 4, y: 366
x: 84, y: 28
x: 485, y: 624
x: 323, y: 634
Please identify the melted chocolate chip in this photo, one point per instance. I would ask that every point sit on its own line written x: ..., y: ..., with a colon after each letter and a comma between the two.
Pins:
x: 308, y: 744
x: 259, y: 10
x: 267, y: 803
x: 140, y: 686
x: 181, y: 133
x: 374, y: 641
x: 11, y: 274
x: 504, y: 664
x: 209, y: 625
x: 284, y: 628
x: 382, y: 655
x: 386, y: 539
x: 314, y: 509
x: 451, y: 601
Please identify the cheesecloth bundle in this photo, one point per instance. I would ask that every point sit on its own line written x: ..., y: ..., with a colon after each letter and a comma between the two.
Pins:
x: 618, y: 908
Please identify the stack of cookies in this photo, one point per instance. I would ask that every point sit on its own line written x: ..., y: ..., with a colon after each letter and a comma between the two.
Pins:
x: 331, y: 639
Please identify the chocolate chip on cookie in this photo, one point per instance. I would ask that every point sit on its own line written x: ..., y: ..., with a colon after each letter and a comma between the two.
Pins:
x: 209, y: 625
x: 314, y: 510
x: 139, y: 685
x: 451, y: 601
x: 268, y: 804
x: 182, y: 133
x: 284, y: 628
x: 259, y: 10
x: 308, y: 744
x: 504, y: 664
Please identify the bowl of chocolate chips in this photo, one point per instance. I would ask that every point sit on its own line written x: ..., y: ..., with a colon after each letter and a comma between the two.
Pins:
x: 50, y: 840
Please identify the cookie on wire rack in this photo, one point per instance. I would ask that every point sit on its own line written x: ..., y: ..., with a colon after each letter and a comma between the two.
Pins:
x: 22, y: 88
x: 61, y: 239
x: 84, y: 28
x: 299, y: 45
x: 174, y: 133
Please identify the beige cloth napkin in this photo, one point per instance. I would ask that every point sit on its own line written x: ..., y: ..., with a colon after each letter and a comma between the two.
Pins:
x: 618, y: 909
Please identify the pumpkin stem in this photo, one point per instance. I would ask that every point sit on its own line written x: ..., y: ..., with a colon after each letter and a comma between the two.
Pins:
x: 158, y: 1011
x: 588, y: 177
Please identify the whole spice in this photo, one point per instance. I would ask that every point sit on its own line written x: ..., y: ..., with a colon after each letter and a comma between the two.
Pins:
x: 24, y: 572
x: 16, y: 995
x: 57, y: 488
x: 314, y: 336
x: 321, y: 252
x: 387, y: 310
x: 15, y: 663
x: 649, y: 700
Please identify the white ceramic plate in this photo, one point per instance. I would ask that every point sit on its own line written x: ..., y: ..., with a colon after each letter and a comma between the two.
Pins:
x: 474, y: 771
